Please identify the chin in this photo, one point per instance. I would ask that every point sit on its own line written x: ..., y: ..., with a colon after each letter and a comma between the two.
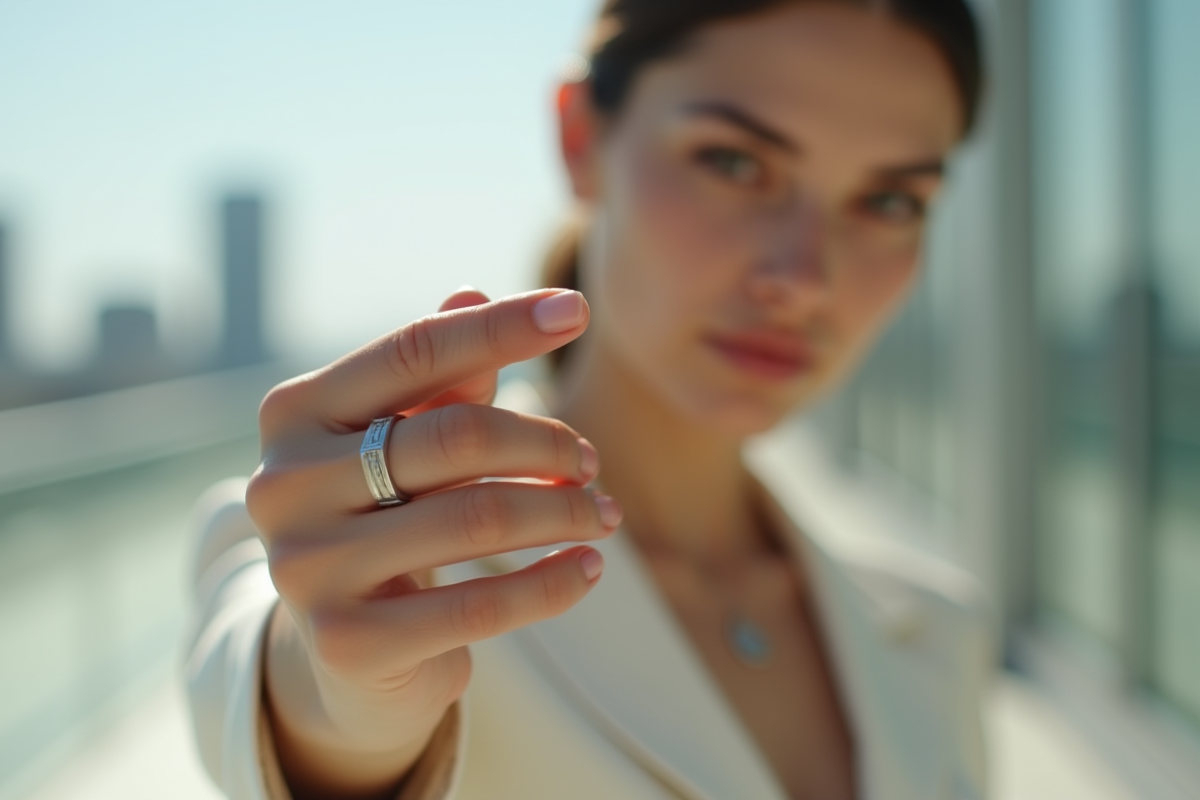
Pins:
x: 736, y: 414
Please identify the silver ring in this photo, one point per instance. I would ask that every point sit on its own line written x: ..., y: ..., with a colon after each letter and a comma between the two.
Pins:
x: 374, y: 463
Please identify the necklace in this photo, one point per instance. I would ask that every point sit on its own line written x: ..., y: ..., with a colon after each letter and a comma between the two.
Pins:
x: 748, y: 641
x: 745, y: 638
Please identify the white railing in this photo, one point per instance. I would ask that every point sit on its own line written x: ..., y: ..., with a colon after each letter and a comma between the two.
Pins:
x: 65, y: 439
x: 95, y: 502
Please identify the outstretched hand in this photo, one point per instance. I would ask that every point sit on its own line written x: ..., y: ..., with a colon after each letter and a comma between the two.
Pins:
x: 364, y: 656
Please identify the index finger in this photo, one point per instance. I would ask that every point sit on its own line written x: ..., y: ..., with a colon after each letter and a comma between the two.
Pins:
x: 435, y: 353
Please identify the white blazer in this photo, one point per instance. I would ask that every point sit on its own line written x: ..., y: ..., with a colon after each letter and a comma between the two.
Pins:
x: 611, y: 701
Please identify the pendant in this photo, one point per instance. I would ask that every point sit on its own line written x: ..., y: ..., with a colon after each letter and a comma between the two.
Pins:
x: 748, y: 641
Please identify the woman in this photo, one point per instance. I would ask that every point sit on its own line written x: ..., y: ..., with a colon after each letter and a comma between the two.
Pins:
x: 752, y: 180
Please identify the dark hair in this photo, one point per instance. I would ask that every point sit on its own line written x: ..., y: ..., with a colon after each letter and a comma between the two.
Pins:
x: 628, y: 34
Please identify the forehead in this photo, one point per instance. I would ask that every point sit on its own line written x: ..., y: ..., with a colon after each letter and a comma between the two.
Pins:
x: 821, y: 72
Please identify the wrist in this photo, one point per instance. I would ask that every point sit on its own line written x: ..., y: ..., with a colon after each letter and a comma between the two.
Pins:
x: 329, y: 743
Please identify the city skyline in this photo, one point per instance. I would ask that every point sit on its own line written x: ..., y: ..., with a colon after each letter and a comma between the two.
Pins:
x: 126, y: 349
x: 405, y: 149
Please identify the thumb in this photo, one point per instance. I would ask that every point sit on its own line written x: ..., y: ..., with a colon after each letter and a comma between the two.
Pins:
x: 464, y: 297
x: 480, y: 389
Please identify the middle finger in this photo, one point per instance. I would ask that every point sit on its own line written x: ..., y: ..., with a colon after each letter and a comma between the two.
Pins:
x: 445, y: 528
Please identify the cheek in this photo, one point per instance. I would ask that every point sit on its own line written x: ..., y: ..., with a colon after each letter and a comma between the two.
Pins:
x: 675, y: 232
x: 871, y: 294
x: 670, y: 253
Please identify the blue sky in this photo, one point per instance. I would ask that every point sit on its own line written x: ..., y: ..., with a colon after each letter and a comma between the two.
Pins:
x: 406, y: 148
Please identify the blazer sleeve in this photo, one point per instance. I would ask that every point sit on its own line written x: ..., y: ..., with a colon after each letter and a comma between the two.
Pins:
x: 232, y: 601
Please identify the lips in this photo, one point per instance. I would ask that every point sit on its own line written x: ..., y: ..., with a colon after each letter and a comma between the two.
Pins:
x: 764, y: 353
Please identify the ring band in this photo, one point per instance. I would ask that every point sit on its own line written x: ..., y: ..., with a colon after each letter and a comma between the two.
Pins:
x: 374, y: 463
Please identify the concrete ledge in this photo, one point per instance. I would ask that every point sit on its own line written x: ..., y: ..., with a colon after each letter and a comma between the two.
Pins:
x: 66, y: 439
x: 1035, y: 753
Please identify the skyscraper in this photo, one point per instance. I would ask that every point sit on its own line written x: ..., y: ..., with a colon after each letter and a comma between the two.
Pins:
x: 128, y: 339
x: 242, y: 340
x: 5, y: 301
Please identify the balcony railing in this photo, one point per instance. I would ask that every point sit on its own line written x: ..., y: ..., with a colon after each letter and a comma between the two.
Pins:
x: 95, y: 497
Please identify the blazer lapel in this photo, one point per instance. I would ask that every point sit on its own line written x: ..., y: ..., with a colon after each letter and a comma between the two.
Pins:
x: 624, y: 661
x: 621, y: 658
x: 875, y: 631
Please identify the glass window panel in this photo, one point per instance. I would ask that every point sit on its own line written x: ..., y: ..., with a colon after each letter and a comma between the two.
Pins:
x: 904, y: 393
x: 1078, y: 245
x: 1175, y: 71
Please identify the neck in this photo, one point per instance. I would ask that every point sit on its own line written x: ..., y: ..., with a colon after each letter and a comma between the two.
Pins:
x: 683, y: 486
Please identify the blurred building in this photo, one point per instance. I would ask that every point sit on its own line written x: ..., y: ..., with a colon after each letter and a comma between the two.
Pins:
x: 127, y: 351
x: 242, y: 244
x: 16, y: 386
x: 5, y: 305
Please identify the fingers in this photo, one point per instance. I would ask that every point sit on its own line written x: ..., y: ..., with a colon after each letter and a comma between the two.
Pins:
x: 315, y: 482
x: 460, y: 443
x: 451, y: 527
x: 463, y: 297
x: 352, y: 580
x: 393, y: 636
x: 455, y: 444
x: 428, y: 357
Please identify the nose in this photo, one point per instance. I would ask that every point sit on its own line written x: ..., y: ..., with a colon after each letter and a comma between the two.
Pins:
x: 793, y: 265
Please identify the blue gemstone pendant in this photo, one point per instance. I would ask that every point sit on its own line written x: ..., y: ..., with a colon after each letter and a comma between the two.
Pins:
x: 748, y: 642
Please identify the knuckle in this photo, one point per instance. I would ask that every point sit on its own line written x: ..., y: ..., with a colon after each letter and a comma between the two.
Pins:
x: 478, y: 614
x: 463, y: 435
x: 493, y: 334
x: 261, y: 491
x: 284, y: 489
x: 564, y: 447
x: 289, y: 565
x: 580, y: 509
x: 487, y: 515
x: 412, y: 352
x: 557, y: 592
x: 273, y: 404
x: 280, y: 403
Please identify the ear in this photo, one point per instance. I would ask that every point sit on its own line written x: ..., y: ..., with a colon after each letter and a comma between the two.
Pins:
x: 578, y: 137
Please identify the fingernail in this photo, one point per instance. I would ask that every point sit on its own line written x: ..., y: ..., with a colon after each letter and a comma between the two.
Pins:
x: 610, y: 511
x: 589, y: 460
x: 592, y: 563
x: 466, y: 287
x: 558, y: 312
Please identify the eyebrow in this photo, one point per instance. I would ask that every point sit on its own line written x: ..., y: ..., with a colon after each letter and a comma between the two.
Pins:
x: 747, y: 122
x: 933, y: 168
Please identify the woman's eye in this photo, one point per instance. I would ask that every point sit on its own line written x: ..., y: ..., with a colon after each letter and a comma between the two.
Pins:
x: 736, y: 165
x: 895, y: 206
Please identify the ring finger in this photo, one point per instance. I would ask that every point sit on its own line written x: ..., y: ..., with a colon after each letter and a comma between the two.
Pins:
x: 457, y: 444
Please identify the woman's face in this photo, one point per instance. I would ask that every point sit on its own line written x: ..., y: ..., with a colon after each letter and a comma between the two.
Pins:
x: 758, y: 205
